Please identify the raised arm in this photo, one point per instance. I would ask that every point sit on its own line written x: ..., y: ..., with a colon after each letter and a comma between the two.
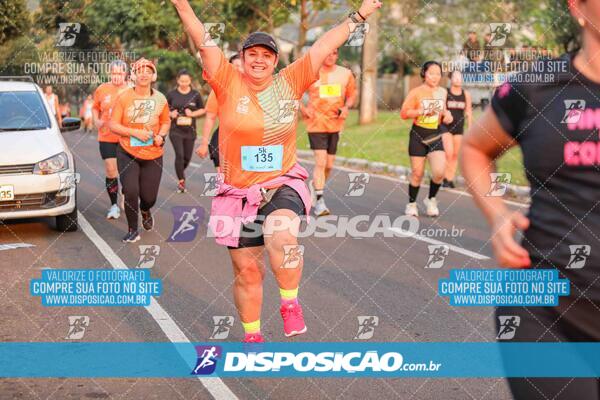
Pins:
x: 337, y: 36
x: 210, y: 54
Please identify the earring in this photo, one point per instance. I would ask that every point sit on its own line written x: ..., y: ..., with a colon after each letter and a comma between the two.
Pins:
x: 581, y: 21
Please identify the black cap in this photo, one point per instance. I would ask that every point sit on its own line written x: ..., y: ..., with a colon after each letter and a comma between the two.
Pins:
x: 260, y: 39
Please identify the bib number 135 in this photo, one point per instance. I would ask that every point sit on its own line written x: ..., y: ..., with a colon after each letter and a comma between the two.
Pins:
x: 262, y: 158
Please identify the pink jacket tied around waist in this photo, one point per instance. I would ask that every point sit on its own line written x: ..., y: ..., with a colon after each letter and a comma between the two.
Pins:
x: 227, y: 214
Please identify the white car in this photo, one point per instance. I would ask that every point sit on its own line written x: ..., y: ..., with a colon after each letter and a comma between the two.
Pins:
x: 37, y: 170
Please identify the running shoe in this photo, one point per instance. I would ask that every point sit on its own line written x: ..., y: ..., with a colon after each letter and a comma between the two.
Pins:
x: 253, y: 338
x: 432, y: 207
x: 448, y: 184
x: 293, y: 320
x: 132, y: 236
x: 411, y: 209
x: 113, y: 212
x: 313, y: 192
x: 147, y: 220
x: 181, y: 186
x: 321, y: 209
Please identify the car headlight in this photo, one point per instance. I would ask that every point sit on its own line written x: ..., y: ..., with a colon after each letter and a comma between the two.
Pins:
x: 52, y: 165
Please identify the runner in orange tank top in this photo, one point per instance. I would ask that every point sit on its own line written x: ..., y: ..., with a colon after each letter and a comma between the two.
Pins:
x: 104, y: 99
x: 325, y: 114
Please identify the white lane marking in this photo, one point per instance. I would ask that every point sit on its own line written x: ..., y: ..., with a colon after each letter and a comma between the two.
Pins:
x: 452, y: 247
x: 389, y: 178
x: 215, y: 386
x: 12, y: 246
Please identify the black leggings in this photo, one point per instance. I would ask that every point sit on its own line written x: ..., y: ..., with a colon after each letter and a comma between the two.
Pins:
x: 184, y: 148
x: 552, y: 324
x: 140, y: 179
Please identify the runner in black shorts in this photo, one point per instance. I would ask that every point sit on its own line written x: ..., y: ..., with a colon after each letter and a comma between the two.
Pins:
x: 329, y: 101
x: 426, y: 105
x: 556, y: 126
x: 460, y: 106
x: 103, y: 101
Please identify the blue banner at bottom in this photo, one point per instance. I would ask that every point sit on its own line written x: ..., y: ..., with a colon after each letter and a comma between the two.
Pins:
x: 300, y: 359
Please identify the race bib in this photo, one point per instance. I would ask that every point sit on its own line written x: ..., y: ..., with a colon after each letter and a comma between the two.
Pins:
x: 434, y: 106
x: 262, y: 158
x: 329, y: 91
x: 184, y: 121
x: 135, y: 142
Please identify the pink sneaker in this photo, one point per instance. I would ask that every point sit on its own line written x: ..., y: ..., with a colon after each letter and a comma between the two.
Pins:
x: 293, y: 320
x: 253, y: 338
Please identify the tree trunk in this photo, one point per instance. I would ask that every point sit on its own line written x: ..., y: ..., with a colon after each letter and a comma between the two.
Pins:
x: 303, y: 28
x: 368, y: 98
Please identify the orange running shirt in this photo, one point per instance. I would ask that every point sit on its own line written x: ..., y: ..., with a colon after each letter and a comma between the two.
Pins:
x: 326, y: 97
x: 253, y: 116
x: 211, y: 104
x: 139, y: 112
x: 425, y: 97
x: 104, y: 100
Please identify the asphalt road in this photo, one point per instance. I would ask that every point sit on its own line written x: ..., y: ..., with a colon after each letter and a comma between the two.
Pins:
x: 344, y: 278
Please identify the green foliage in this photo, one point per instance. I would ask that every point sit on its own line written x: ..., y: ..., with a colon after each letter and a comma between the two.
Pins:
x: 14, y: 19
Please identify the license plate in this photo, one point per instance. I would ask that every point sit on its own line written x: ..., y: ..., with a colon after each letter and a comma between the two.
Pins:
x: 7, y: 192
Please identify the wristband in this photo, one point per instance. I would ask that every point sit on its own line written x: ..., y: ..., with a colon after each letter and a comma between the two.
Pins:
x: 358, y: 12
x: 353, y: 15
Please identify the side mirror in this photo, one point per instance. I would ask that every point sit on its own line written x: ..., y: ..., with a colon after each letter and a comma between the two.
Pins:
x: 70, y: 124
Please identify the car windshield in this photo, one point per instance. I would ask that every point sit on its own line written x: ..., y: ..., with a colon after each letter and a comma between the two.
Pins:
x: 22, y: 111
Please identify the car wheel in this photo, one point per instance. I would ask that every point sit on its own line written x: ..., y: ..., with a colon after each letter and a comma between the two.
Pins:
x: 67, y: 222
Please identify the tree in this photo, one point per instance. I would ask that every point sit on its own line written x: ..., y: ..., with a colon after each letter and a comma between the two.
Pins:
x: 368, y: 96
x: 14, y: 20
x: 308, y: 14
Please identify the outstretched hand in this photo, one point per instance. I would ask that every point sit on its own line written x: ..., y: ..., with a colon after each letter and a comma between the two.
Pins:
x: 368, y: 7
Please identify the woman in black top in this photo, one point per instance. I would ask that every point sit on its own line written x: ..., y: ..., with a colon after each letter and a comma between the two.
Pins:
x: 186, y: 105
x: 458, y: 102
x: 556, y: 126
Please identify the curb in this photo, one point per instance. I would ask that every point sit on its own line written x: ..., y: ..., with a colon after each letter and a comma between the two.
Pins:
x: 520, y: 193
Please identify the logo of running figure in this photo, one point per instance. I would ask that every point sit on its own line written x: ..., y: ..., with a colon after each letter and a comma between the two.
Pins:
x: 287, y: 111
x: 499, y: 184
x: 212, y: 181
x: 223, y: 324
x: 579, y: 255
x: 77, y: 326
x: 358, y: 34
x: 207, y: 359
x: 69, y: 181
x: 214, y: 33
x: 142, y: 110
x: 148, y: 255
x: 573, y: 111
x: 499, y: 33
x: 358, y: 183
x: 67, y: 33
x: 366, y: 327
x: 437, y: 255
x: 186, y: 222
x: 432, y: 107
x: 508, y: 327
x: 292, y: 255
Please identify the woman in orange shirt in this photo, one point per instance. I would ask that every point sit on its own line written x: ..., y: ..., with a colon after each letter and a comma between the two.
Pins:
x: 426, y: 106
x: 141, y: 117
x: 263, y: 189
